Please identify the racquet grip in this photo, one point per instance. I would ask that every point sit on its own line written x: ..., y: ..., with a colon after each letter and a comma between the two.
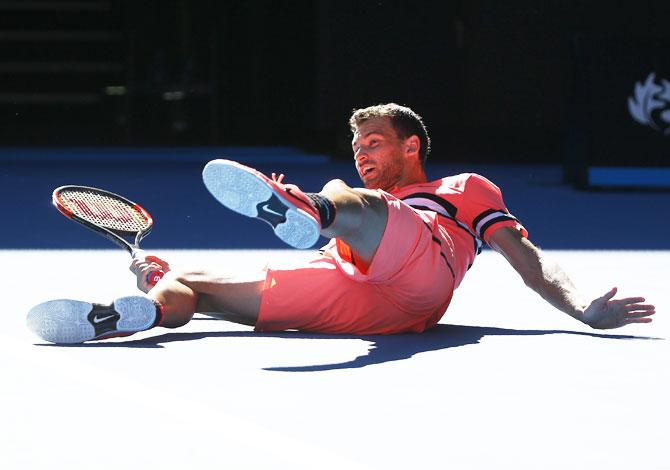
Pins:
x: 154, y: 276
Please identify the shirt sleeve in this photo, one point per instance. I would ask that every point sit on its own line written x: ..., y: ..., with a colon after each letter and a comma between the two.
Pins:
x: 483, y: 209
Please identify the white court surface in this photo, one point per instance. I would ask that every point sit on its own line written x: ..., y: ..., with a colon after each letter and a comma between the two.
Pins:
x: 505, y: 382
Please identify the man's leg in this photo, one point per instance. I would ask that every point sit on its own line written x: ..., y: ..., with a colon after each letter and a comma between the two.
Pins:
x: 360, y: 220
x: 231, y: 297
x: 73, y: 321
x: 296, y: 217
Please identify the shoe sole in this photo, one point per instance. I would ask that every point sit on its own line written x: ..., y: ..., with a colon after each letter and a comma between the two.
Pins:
x: 66, y: 321
x: 243, y: 192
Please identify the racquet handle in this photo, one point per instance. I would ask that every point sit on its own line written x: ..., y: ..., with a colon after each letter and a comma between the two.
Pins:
x: 154, y: 276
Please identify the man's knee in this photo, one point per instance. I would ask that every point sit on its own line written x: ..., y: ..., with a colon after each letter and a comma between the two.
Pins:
x: 189, y: 277
x: 339, y: 191
x: 335, y: 185
x: 203, y: 280
x: 360, y: 213
x: 374, y: 200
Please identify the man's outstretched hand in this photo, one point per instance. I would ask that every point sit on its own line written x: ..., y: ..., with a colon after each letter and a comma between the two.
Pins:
x: 605, y: 313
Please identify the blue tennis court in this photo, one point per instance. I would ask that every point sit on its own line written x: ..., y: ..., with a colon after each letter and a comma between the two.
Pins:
x: 504, y: 381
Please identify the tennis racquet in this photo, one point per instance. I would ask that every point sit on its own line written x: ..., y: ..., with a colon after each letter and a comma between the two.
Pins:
x: 112, y: 216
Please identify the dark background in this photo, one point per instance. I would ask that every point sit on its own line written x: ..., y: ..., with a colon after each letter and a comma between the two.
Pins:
x: 495, y: 81
x: 523, y: 92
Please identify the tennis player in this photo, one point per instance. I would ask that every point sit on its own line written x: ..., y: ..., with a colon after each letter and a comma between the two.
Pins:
x: 399, y: 248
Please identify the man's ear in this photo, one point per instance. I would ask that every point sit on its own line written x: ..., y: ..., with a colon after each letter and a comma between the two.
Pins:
x: 412, y: 144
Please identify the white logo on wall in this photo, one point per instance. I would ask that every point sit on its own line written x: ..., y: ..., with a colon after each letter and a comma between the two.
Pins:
x: 650, y: 104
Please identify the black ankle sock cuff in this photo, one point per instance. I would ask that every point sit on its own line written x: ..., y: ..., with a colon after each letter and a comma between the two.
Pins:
x: 325, y: 207
x: 159, y: 313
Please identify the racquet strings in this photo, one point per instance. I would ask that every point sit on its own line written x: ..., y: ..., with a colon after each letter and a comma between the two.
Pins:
x: 105, y: 211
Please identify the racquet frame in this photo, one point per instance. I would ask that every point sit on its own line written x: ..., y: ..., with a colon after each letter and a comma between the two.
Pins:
x: 113, y: 235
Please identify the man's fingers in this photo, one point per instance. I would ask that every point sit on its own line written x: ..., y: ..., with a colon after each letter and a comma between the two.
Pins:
x: 610, y: 294
x: 637, y: 320
x: 640, y: 314
x: 155, y: 259
x: 135, y: 265
x: 138, y: 266
x: 630, y: 300
x: 634, y: 307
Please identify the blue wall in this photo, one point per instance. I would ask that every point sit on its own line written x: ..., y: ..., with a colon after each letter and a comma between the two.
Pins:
x: 168, y: 183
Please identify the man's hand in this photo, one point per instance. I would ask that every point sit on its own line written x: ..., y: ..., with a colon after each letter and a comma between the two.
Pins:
x: 144, y: 266
x: 605, y: 313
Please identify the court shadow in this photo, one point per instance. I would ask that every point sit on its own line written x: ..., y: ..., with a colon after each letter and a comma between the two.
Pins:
x: 383, y: 348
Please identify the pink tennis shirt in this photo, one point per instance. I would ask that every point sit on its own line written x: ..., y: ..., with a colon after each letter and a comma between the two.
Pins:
x: 469, y: 208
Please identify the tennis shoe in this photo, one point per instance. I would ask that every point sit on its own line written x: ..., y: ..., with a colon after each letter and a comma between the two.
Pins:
x: 290, y: 212
x: 72, y: 321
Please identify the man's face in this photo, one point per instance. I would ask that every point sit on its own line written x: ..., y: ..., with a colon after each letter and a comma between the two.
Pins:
x: 379, y: 154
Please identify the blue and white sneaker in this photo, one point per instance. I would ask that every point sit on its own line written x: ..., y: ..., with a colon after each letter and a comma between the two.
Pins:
x: 290, y: 212
x: 72, y: 321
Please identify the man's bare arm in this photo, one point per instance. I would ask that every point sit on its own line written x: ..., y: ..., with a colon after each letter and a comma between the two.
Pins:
x: 547, y: 278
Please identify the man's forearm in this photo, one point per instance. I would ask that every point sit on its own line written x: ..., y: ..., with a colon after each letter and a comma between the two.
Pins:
x: 539, y: 273
x: 554, y: 285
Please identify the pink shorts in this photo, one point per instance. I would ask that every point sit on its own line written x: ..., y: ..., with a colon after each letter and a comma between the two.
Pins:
x: 406, y: 288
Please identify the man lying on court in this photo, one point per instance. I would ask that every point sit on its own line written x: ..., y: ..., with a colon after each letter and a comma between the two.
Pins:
x: 398, y: 250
